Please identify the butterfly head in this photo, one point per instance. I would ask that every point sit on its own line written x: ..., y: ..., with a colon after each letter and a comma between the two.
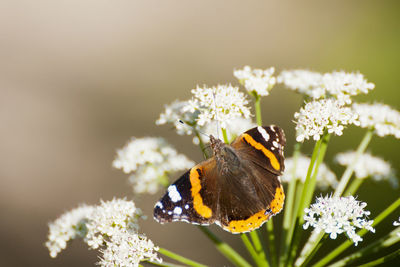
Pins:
x: 224, y: 155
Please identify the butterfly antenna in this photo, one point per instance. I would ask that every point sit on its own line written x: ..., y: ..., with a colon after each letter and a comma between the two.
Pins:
x: 191, y: 126
x: 204, y: 149
x: 216, y: 114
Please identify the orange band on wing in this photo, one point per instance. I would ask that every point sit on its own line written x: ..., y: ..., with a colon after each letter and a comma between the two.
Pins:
x: 198, y: 205
x: 249, y: 224
x: 256, y: 220
x: 274, y: 161
x: 277, y: 203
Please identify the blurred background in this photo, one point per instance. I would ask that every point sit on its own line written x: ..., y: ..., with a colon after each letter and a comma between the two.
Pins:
x: 79, y: 78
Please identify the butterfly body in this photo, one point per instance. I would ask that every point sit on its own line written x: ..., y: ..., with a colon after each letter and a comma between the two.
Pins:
x: 238, y: 188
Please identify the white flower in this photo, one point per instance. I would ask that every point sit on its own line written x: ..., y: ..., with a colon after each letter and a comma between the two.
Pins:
x: 110, y: 227
x: 338, y: 84
x: 336, y: 215
x: 382, y: 118
x: 128, y: 249
x: 68, y: 226
x: 303, y: 81
x: 325, y: 176
x: 397, y: 223
x: 368, y: 166
x: 317, y: 116
x: 343, y: 85
x: 256, y: 81
x: 174, y: 114
x: 151, y: 160
x: 221, y: 103
x: 234, y: 128
x: 108, y: 219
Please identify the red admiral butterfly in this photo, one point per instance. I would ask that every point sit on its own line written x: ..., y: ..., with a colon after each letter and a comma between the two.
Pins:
x: 238, y: 188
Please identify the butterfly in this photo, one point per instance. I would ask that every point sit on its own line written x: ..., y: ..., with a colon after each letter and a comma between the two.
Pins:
x: 238, y: 188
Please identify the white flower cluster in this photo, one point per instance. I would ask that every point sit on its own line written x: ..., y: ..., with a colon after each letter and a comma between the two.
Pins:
x: 110, y: 227
x: 397, y: 223
x: 336, y: 215
x: 382, y: 118
x: 256, y: 81
x: 368, y: 165
x: 151, y: 160
x: 174, y: 114
x: 303, y: 81
x: 338, y: 84
x: 221, y: 103
x: 343, y: 85
x: 68, y: 226
x: 325, y: 176
x: 323, y: 114
x: 108, y: 219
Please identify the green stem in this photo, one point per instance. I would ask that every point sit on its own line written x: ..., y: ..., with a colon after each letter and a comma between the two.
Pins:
x: 288, y: 210
x: 258, y: 245
x: 375, y: 247
x: 225, y: 249
x: 225, y: 135
x: 333, y: 254
x: 251, y: 250
x: 291, y: 190
x: 298, y: 204
x: 310, y: 248
x: 271, y: 242
x: 201, y: 144
x: 257, y: 107
x: 350, y: 168
x: 311, y: 255
x: 180, y: 258
x: 163, y: 180
x: 382, y: 260
x: 353, y: 187
x: 310, y: 187
x: 308, y: 190
x: 163, y: 264
x: 288, y: 240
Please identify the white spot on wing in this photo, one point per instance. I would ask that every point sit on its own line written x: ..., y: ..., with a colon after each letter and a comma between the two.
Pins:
x: 263, y: 132
x: 186, y: 206
x: 275, y: 144
x: 173, y: 193
x: 159, y: 205
x: 169, y: 212
x: 178, y: 210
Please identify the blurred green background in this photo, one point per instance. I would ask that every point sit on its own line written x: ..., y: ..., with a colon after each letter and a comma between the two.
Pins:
x: 79, y: 78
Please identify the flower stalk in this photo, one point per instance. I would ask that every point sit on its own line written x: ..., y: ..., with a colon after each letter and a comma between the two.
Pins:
x: 350, y: 169
x: 180, y: 258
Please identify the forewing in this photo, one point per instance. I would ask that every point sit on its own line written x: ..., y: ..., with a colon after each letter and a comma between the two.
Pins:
x: 264, y: 146
x: 190, y: 198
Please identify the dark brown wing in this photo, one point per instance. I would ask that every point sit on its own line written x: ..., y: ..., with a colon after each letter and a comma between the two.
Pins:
x: 264, y: 146
x: 250, y: 197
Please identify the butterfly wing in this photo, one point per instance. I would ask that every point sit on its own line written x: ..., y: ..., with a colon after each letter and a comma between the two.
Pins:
x: 239, y: 199
x: 250, y: 197
x: 190, y: 198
